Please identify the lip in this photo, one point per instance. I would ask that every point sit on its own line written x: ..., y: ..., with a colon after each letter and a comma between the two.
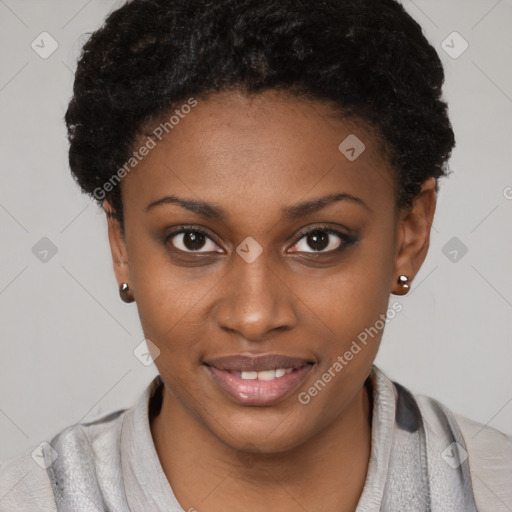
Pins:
x: 225, y: 372
x: 257, y: 363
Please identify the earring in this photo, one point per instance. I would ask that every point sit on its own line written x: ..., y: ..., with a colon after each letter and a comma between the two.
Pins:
x: 124, y: 290
x: 404, y: 282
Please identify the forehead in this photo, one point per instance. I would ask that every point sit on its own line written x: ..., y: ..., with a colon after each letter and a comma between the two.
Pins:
x: 259, y: 151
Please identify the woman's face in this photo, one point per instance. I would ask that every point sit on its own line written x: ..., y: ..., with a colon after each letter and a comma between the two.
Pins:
x: 259, y: 174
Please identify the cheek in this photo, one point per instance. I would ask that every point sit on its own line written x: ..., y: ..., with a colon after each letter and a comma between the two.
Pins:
x: 172, y: 315
x: 371, y: 273
x: 164, y: 291
x: 352, y: 304
x: 353, y: 307
x: 352, y: 296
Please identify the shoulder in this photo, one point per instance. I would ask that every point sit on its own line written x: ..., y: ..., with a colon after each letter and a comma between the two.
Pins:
x: 26, y: 482
x: 487, y: 451
x: 490, y: 461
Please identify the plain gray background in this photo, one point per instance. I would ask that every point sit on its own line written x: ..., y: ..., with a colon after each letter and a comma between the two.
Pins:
x: 67, y: 340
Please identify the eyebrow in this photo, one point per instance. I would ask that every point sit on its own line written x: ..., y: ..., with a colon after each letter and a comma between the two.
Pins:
x: 290, y: 213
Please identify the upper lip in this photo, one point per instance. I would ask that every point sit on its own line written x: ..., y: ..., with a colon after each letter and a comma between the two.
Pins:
x: 261, y: 362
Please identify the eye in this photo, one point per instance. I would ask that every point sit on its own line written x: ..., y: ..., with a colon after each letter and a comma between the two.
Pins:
x: 192, y: 240
x: 322, y: 240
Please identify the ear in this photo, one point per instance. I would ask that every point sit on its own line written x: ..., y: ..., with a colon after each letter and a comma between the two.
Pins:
x: 413, y: 234
x: 117, y: 247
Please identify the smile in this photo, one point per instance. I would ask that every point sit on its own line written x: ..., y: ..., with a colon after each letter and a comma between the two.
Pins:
x: 258, y: 380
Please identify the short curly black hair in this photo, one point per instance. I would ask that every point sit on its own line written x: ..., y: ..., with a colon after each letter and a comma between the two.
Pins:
x: 368, y: 59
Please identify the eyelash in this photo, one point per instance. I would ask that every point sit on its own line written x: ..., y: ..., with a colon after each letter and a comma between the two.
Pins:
x: 346, y: 239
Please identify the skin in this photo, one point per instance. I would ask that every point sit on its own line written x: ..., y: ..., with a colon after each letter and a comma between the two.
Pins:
x: 253, y: 156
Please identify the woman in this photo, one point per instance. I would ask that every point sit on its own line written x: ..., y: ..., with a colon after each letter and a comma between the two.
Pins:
x: 269, y: 174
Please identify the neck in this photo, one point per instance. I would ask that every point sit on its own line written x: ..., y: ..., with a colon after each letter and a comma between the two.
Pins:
x: 327, y: 472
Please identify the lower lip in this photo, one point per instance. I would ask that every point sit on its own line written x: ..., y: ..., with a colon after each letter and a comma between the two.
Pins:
x: 258, y: 392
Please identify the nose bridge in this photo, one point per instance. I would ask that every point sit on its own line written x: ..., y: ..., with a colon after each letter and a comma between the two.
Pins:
x: 255, y: 300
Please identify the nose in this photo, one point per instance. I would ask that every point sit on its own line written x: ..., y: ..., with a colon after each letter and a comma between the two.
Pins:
x: 256, y: 300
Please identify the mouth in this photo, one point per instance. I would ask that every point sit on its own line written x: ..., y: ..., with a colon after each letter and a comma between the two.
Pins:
x: 258, y: 380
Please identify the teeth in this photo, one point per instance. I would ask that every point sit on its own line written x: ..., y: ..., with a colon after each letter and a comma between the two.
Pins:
x: 266, y: 374
x: 249, y: 375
